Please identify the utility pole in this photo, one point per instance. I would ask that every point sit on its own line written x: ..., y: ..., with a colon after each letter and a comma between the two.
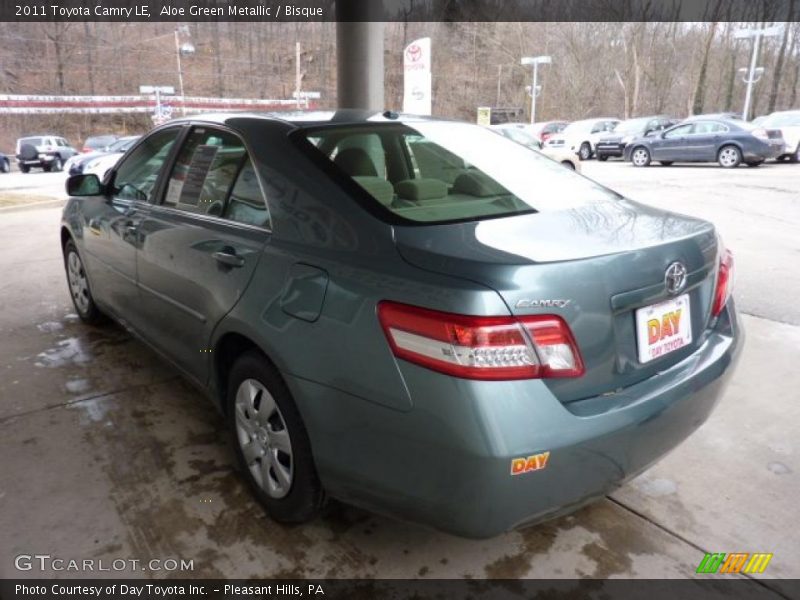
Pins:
x: 499, y: 75
x: 535, y: 61
x: 297, y: 73
x: 752, y: 77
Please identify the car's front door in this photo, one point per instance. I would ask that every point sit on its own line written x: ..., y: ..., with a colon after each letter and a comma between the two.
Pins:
x: 111, y: 224
x: 671, y: 145
x: 200, y: 245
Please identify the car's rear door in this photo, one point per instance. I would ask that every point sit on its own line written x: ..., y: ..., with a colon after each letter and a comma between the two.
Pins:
x: 200, y: 244
x: 111, y: 223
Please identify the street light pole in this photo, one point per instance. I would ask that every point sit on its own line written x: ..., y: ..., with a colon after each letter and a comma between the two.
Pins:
x: 180, y: 72
x: 535, y: 61
x: 751, y: 76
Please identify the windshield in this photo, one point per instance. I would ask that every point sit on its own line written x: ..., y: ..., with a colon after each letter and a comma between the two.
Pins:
x: 520, y: 136
x: 782, y: 120
x: 122, y: 145
x: 632, y: 125
x: 440, y: 171
x: 33, y: 141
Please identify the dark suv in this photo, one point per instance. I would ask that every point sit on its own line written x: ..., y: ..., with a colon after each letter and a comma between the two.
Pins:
x: 48, y: 152
x: 614, y: 143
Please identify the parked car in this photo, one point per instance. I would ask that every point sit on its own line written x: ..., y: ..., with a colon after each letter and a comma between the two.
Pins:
x: 5, y: 163
x: 521, y: 136
x: 99, y: 143
x: 546, y: 129
x: 708, y: 140
x: 613, y: 144
x: 788, y: 122
x: 48, y: 152
x: 79, y: 163
x: 475, y: 355
x: 580, y: 137
x: 99, y: 164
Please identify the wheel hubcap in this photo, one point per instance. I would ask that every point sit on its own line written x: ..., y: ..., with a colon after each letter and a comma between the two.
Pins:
x: 640, y: 157
x: 728, y: 157
x: 264, y: 439
x: 78, y: 286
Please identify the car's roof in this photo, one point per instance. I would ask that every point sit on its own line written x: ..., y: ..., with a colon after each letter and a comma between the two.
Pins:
x: 312, y: 118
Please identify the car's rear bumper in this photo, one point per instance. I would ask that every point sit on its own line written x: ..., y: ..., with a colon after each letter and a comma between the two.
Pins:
x: 447, y: 462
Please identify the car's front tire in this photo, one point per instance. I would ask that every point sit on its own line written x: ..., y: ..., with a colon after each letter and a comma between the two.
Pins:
x: 795, y: 157
x: 24, y: 168
x: 640, y: 157
x: 79, y: 289
x: 585, y: 151
x: 270, y: 441
x: 57, y: 165
x: 729, y: 157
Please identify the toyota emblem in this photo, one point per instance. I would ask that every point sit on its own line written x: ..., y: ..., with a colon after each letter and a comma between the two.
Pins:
x: 675, y: 278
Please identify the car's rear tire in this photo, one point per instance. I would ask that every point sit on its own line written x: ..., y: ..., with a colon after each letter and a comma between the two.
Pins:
x: 666, y: 163
x: 5, y: 166
x: 795, y: 158
x: 79, y: 289
x: 270, y: 441
x: 640, y: 156
x: 57, y: 165
x: 24, y: 168
x: 585, y: 151
x: 729, y: 157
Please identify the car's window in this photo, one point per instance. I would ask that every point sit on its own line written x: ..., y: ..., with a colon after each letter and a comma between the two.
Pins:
x: 679, y: 131
x: 136, y: 176
x: 246, y: 203
x: 439, y: 172
x: 213, y: 175
x: 708, y: 127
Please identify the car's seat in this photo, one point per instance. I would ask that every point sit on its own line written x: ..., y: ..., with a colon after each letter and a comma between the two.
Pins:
x: 358, y: 165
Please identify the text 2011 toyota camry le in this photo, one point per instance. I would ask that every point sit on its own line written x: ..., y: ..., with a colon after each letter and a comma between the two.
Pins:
x: 414, y: 316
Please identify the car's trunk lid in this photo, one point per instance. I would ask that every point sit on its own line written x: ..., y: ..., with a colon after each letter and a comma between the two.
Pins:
x: 594, y: 265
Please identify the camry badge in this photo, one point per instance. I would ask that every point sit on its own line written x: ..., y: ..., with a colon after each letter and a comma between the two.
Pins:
x: 675, y: 278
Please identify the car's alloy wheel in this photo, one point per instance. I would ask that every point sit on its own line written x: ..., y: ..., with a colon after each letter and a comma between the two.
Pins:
x: 729, y: 157
x: 585, y: 151
x: 640, y: 157
x: 270, y: 441
x: 57, y: 165
x: 263, y: 438
x: 79, y: 288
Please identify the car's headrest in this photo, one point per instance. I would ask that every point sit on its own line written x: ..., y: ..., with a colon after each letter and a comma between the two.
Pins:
x: 356, y: 163
x: 420, y: 190
x: 478, y: 184
x: 378, y: 187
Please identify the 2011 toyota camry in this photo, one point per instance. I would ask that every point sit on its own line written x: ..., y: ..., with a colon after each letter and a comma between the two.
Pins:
x: 414, y: 316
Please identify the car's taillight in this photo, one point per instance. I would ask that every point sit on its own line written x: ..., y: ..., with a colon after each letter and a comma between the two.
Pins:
x: 724, y: 282
x: 86, y: 149
x: 761, y: 134
x: 494, y: 348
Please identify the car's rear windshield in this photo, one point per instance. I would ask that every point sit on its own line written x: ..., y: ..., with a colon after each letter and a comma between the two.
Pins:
x: 33, y: 141
x: 436, y: 171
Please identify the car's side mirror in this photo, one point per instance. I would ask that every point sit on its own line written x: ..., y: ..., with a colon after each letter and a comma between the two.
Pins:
x: 84, y: 185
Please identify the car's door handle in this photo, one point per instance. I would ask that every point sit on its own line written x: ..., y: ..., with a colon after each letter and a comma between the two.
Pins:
x: 229, y: 258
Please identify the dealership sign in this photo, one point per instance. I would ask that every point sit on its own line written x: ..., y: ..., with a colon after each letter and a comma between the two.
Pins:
x: 417, y: 77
